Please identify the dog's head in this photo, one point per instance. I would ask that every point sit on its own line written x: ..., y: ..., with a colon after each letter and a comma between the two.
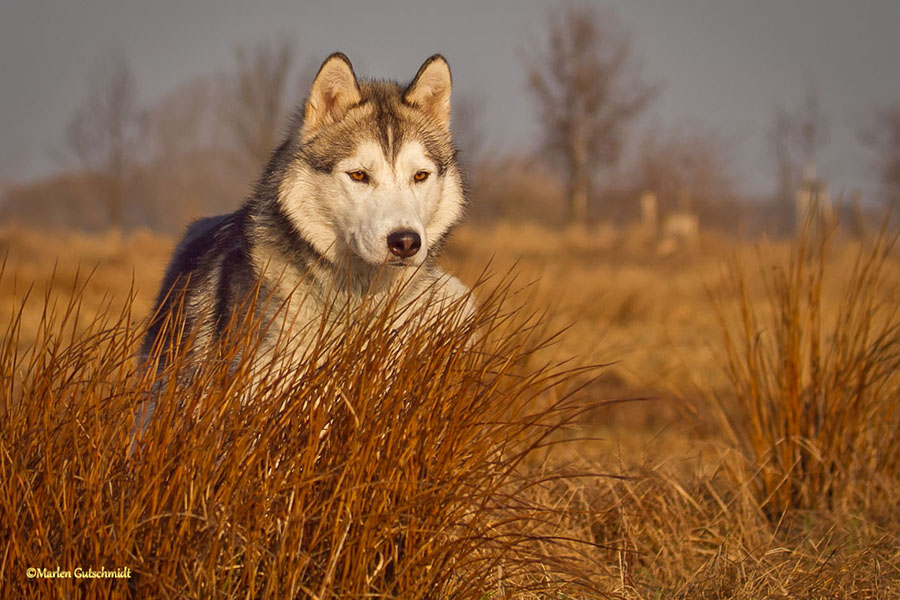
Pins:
x: 374, y: 172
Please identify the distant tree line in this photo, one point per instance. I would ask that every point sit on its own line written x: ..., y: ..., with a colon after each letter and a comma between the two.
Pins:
x: 198, y: 150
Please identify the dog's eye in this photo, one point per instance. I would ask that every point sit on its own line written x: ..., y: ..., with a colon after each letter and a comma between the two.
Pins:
x: 421, y: 176
x: 360, y: 176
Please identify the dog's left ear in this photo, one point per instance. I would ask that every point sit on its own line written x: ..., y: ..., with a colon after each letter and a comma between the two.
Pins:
x: 430, y: 90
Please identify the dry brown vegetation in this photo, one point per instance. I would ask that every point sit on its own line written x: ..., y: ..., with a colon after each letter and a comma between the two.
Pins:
x: 817, y: 393
x: 760, y: 465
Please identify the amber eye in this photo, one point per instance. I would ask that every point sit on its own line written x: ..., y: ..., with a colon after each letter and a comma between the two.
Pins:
x: 420, y: 176
x: 360, y: 176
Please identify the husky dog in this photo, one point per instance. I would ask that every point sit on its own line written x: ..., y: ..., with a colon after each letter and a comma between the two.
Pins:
x: 356, y: 200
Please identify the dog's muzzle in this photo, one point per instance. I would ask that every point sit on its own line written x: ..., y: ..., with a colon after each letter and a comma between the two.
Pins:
x: 404, y: 243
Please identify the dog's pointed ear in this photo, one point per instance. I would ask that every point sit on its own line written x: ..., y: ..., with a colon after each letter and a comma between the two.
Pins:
x: 333, y: 92
x: 430, y: 90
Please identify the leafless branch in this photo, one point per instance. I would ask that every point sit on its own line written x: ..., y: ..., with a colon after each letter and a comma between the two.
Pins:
x: 105, y: 133
x: 589, y: 92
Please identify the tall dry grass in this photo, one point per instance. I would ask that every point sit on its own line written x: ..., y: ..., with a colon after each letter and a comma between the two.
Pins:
x: 816, y: 382
x: 384, y: 464
x: 219, y: 498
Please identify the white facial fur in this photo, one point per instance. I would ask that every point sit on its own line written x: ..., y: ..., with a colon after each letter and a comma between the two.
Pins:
x: 339, y: 215
x: 391, y: 200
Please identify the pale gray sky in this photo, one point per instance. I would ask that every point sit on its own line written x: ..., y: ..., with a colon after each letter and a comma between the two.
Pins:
x: 722, y: 64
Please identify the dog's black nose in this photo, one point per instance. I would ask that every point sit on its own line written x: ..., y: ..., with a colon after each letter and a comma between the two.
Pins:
x: 404, y: 243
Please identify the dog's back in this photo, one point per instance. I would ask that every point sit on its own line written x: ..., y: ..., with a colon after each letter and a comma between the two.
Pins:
x: 194, y: 277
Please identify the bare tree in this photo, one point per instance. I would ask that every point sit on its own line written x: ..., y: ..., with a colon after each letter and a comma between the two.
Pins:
x: 687, y: 168
x: 589, y: 93
x: 787, y: 176
x: 797, y: 138
x: 883, y: 137
x: 105, y: 132
x: 192, y: 170
x: 183, y: 122
x: 812, y: 128
x: 256, y: 99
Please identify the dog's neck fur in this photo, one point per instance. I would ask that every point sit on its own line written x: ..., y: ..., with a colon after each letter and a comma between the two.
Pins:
x: 285, y: 260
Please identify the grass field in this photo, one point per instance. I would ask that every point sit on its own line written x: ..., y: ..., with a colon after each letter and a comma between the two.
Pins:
x: 716, y: 422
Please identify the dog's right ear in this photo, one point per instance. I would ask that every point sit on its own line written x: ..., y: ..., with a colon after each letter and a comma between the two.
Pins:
x: 430, y: 90
x: 333, y: 92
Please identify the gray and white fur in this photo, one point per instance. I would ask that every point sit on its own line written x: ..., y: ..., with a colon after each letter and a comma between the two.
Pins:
x: 356, y: 200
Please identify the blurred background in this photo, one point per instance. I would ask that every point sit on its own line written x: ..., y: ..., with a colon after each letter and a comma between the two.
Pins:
x: 666, y: 118
x: 650, y: 177
x: 615, y: 151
